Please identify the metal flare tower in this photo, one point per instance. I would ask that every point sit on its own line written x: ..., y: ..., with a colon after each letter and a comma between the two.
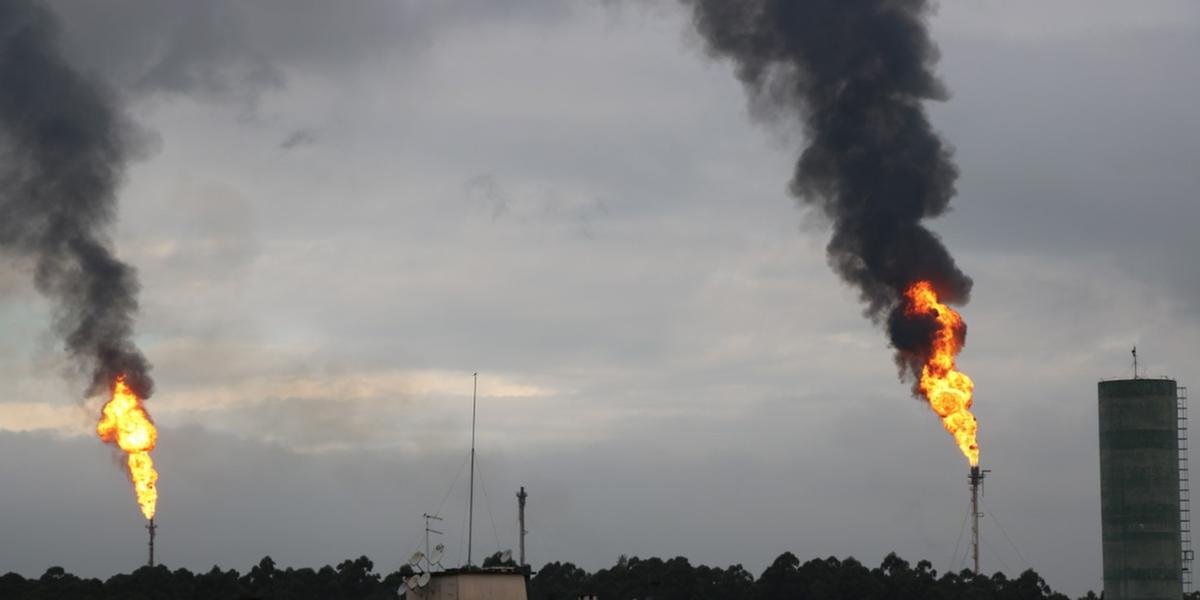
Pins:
x: 976, y: 481
x: 521, y: 496
x: 152, y: 528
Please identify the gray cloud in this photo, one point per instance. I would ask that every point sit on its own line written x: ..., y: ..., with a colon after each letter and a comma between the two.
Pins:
x: 697, y: 346
x: 298, y: 138
x: 227, y: 49
x: 1076, y: 165
x: 1075, y: 20
x: 535, y: 204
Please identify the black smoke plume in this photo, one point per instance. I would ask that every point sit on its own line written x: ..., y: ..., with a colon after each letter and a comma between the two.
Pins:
x: 854, y: 74
x: 64, y: 144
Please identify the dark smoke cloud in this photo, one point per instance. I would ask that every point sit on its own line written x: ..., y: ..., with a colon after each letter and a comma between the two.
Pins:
x: 855, y: 73
x: 63, y: 148
x: 298, y: 138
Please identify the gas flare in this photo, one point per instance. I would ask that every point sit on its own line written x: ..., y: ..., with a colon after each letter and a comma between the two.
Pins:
x: 125, y: 422
x: 948, y: 390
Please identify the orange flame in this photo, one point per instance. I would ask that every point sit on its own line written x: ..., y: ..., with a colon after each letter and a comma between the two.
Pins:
x: 948, y: 390
x: 124, y: 421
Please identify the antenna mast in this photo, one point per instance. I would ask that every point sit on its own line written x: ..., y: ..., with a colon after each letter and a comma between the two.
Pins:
x: 521, y: 496
x: 429, y: 530
x: 471, y: 500
x: 976, y: 480
x: 151, y: 527
x: 1135, y: 365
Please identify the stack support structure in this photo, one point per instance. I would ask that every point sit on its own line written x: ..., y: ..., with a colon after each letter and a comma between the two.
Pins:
x: 152, y: 528
x: 521, y: 497
x: 976, y: 480
x: 1140, y: 488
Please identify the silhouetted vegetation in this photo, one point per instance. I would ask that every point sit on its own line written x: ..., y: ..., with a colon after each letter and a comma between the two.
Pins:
x: 630, y: 579
x: 786, y: 579
x: 498, y: 560
x: 351, y: 579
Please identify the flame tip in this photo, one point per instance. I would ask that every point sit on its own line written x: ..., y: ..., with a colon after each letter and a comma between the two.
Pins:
x: 125, y: 422
x: 949, y: 391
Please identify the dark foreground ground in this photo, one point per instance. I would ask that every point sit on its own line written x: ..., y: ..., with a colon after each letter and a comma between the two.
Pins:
x: 631, y: 578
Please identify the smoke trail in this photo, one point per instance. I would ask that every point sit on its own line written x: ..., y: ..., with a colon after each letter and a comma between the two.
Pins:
x: 854, y: 73
x: 63, y: 149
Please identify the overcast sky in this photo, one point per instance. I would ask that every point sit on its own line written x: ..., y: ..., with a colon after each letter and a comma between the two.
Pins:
x: 343, y: 213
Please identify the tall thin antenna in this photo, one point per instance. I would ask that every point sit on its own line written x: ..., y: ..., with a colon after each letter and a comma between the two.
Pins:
x: 1135, y: 365
x: 151, y: 527
x: 471, y: 500
x: 521, y: 496
x: 976, y: 480
x: 428, y: 530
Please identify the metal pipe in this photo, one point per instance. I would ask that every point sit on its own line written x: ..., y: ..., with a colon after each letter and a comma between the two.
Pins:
x: 471, y: 500
x: 976, y: 479
x: 151, y: 527
x: 521, y: 496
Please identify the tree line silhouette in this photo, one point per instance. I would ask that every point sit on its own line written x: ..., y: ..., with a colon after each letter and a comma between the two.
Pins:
x: 630, y: 578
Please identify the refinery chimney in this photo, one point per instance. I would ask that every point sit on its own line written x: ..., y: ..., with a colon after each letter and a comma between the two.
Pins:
x: 1143, y: 489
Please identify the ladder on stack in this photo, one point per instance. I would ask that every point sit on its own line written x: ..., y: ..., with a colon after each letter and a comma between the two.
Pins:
x: 1185, y: 518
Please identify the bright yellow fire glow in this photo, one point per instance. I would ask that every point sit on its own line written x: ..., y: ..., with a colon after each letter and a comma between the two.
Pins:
x: 949, y: 391
x: 125, y: 422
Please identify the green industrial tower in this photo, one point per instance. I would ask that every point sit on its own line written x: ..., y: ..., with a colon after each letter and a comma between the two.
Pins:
x: 1143, y: 490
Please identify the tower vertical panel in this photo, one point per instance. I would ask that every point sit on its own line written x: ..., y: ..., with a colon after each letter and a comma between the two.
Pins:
x: 1140, y: 489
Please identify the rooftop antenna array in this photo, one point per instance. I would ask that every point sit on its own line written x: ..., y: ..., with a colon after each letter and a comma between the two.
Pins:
x: 418, y: 580
x: 435, y: 556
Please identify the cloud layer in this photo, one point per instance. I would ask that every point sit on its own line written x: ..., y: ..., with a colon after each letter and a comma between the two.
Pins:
x: 573, y: 201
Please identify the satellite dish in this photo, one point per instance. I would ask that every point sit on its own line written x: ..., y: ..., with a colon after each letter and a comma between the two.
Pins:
x: 436, y: 556
x: 506, y: 556
x: 423, y: 580
x: 416, y: 559
x: 412, y: 582
x: 403, y: 589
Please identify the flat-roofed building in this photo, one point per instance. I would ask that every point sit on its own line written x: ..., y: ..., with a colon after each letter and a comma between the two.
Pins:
x: 473, y: 584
